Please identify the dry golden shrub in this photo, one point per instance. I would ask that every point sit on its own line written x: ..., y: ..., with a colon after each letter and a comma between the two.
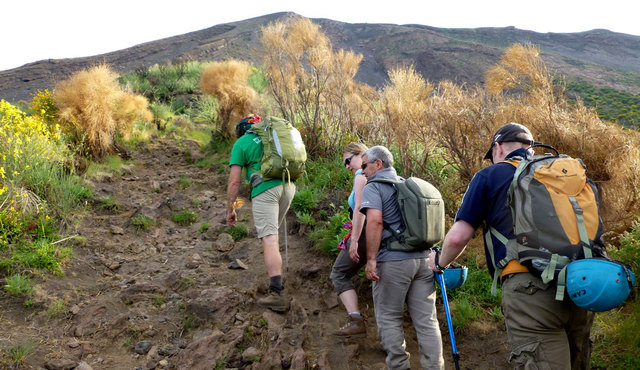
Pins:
x: 610, y: 152
x: 130, y: 108
x: 313, y: 85
x: 404, y: 103
x: 227, y: 81
x: 521, y: 68
x: 93, y: 108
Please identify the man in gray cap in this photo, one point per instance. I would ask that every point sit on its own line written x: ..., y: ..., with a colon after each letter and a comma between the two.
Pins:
x: 543, y: 333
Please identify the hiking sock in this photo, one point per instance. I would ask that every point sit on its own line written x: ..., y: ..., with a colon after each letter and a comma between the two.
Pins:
x: 355, y: 315
x: 275, y: 284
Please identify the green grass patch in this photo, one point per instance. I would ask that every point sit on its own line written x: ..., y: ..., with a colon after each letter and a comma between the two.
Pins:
x: 111, y: 164
x: 237, y: 231
x: 109, y: 203
x: 142, y: 222
x: 158, y: 300
x: 183, y: 182
x: 40, y: 254
x: 184, y: 217
x: 463, y: 312
x: 18, y: 284
x: 57, y: 308
x: 204, y: 227
x: 17, y: 353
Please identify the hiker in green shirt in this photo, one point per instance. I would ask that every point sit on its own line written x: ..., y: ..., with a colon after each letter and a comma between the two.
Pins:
x: 270, y: 201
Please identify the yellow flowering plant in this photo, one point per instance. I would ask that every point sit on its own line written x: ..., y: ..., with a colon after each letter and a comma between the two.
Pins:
x: 36, y: 191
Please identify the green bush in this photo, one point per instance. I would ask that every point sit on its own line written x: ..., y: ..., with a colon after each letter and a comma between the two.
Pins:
x: 18, y: 285
x: 328, y: 235
x: 305, y: 200
x: 629, y: 250
x: 205, y: 110
x: 305, y: 218
x: 257, y: 80
x: 616, y: 333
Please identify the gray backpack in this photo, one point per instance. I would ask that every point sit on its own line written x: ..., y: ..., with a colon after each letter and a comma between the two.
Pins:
x: 422, y: 210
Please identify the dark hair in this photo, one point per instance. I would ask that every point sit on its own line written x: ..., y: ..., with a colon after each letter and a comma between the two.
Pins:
x: 245, y: 123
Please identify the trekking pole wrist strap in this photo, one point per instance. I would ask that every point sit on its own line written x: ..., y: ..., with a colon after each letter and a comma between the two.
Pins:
x: 437, y: 261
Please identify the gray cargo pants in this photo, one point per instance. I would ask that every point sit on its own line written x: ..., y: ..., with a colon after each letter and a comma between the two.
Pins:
x: 408, y: 281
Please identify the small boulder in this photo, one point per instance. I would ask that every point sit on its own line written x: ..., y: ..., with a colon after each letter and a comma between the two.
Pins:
x: 142, y: 347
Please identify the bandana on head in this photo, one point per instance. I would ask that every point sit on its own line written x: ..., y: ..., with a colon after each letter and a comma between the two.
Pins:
x: 246, y: 122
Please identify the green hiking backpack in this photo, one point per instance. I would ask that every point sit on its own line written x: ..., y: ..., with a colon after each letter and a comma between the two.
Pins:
x: 422, y: 210
x: 284, y: 154
x: 556, y: 217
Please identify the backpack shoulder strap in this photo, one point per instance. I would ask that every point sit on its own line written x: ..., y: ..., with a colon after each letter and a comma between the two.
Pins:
x: 514, y: 161
x: 386, y: 180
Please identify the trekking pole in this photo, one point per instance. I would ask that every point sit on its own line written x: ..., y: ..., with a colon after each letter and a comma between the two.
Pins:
x: 286, y: 247
x: 456, y: 355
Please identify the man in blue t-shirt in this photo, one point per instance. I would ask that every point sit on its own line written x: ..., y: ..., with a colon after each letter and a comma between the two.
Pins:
x: 270, y: 200
x: 398, y: 277
x: 543, y: 333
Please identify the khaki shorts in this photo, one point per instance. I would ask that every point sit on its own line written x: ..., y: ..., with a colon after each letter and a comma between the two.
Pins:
x: 270, y: 207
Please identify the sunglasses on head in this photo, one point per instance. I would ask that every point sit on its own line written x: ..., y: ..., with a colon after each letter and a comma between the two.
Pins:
x: 347, y: 160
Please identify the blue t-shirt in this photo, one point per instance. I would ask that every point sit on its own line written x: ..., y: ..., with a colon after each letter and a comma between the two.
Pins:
x: 486, y: 203
x: 352, y: 196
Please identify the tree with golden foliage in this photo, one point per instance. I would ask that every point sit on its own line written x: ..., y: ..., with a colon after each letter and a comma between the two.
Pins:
x: 312, y: 84
x: 93, y: 109
x: 227, y: 81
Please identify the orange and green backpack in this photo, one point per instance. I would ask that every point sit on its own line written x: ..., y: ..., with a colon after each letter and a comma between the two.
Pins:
x: 556, y: 217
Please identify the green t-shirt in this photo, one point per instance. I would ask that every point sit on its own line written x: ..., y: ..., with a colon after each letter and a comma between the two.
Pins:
x: 247, y: 153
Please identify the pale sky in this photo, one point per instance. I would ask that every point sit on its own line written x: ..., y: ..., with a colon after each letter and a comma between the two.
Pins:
x: 34, y: 30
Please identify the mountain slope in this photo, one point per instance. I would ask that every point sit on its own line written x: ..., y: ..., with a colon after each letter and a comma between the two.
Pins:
x: 598, y: 57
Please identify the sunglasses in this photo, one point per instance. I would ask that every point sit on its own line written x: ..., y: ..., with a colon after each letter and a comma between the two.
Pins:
x: 347, y: 160
x: 364, y: 165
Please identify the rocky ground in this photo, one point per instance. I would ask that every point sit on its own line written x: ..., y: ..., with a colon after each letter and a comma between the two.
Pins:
x: 178, y: 296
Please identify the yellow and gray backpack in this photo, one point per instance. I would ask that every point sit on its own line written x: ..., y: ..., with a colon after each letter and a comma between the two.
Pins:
x: 556, y: 217
x: 284, y: 153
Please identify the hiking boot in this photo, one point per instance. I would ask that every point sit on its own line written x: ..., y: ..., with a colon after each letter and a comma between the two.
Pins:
x: 354, y: 328
x: 274, y: 301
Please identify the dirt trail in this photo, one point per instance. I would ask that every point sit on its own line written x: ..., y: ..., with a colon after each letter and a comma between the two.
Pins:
x: 175, y: 296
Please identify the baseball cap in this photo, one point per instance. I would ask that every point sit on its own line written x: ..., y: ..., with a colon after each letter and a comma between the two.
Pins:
x: 510, y: 132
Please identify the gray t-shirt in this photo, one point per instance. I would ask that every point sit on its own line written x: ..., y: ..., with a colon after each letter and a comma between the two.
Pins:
x: 380, y: 196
